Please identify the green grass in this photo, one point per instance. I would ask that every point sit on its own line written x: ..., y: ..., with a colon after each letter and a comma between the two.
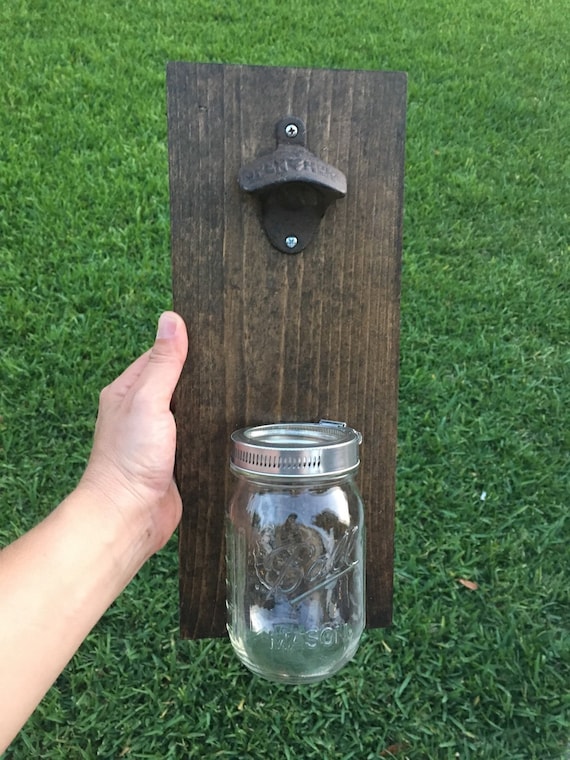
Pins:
x: 84, y: 272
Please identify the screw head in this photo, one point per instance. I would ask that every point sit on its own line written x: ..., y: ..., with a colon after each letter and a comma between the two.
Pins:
x: 291, y: 241
x: 291, y: 130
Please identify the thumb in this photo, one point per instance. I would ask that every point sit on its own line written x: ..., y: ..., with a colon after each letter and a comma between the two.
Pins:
x: 165, y: 360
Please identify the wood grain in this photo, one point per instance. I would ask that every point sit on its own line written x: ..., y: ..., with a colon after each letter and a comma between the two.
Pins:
x: 277, y: 337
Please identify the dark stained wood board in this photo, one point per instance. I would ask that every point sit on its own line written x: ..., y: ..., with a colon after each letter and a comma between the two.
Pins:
x: 278, y: 337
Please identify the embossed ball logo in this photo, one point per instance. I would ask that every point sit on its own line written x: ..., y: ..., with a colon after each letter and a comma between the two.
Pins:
x: 297, y: 569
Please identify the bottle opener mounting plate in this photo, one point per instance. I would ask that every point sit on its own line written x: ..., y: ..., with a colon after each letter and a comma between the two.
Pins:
x: 295, y: 187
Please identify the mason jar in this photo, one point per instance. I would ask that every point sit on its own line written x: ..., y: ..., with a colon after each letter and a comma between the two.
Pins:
x: 295, y: 550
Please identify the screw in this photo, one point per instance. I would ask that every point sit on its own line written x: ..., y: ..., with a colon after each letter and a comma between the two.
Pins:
x: 291, y: 130
x: 291, y: 241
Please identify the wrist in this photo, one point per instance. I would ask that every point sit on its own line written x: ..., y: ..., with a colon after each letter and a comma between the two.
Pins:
x: 113, y: 520
x: 146, y: 513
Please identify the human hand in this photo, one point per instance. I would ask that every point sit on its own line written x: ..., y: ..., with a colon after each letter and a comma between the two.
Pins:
x: 59, y: 578
x: 132, y: 461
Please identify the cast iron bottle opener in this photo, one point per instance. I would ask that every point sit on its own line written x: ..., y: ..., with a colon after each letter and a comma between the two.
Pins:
x: 294, y: 186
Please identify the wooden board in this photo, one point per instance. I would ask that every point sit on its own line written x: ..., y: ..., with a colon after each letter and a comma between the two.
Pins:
x: 277, y: 337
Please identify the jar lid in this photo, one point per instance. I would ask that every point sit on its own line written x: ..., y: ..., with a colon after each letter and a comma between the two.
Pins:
x: 296, y: 449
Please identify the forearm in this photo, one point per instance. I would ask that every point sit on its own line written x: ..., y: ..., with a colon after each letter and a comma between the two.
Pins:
x: 55, y: 583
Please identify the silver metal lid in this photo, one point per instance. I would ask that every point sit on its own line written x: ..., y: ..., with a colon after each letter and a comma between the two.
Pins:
x: 296, y: 449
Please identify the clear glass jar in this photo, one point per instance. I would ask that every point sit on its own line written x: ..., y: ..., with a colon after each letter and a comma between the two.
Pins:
x: 295, y: 550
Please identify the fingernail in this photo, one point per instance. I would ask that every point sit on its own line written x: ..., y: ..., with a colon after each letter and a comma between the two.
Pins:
x: 166, y: 326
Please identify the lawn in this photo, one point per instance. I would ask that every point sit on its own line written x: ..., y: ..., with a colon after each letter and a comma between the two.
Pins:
x: 483, y: 456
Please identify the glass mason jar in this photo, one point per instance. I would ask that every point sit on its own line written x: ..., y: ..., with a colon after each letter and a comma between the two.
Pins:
x: 295, y: 550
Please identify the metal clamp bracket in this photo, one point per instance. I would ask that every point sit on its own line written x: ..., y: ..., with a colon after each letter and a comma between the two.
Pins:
x: 294, y: 186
